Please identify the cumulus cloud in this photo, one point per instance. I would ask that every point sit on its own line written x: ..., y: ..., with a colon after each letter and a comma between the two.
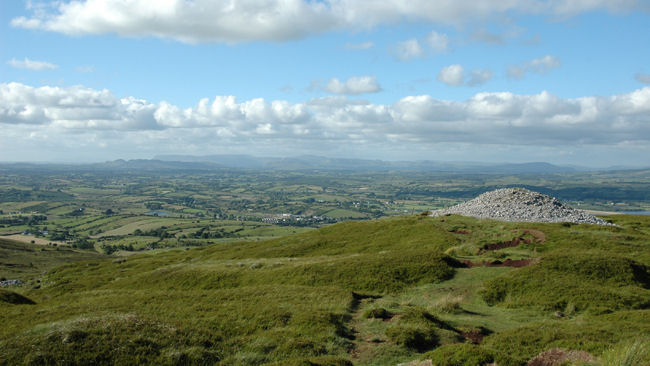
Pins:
x: 31, y: 64
x: 540, y: 65
x: 479, y: 77
x: 73, y: 108
x: 408, y: 50
x: 452, y: 75
x: 278, y: 20
x: 485, y: 36
x: 438, y: 42
x: 354, y: 85
x: 49, y: 114
x: 642, y: 78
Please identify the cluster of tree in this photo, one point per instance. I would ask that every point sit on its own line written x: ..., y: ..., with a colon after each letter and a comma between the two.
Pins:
x: 160, y: 232
x: 110, y: 249
x: 76, y: 212
x: 205, y: 233
x: 153, y: 205
x: 307, y: 221
x: 23, y: 195
x: 22, y: 220
x: 61, y: 235
x: 83, y: 243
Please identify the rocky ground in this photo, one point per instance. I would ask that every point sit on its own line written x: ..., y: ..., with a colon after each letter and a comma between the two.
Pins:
x: 519, y: 204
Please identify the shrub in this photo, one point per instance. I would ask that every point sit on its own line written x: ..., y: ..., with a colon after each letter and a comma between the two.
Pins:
x: 460, y: 354
x: 450, y: 304
x: 495, y: 291
x: 377, y: 313
x: 419, y: 338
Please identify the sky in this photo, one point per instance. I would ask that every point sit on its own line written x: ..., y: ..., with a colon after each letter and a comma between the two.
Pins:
x: 566, y: 82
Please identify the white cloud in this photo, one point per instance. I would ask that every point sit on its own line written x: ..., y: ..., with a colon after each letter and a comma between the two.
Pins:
x: 485, y: 36
x: 439, y: 42
x: 359, y: 46
x: 55, y: 116
x: 408, y: 50
x: 31, y: 64
x: 354, y: 85
x: 479, y: 77
x: 73, y: 108
x: 452, y: 75
x: 279, y: 20
x: 540, y: 65
x: 642, y: 78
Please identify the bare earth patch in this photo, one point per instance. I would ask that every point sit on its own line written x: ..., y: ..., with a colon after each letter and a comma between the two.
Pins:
x: 516, y: 263
x: 558, y: 356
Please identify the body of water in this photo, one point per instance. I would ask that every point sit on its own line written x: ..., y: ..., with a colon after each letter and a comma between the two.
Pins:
x: 157, y: 213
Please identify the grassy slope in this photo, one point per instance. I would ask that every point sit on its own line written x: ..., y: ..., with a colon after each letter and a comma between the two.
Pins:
x: 305, y: 296
x: 24, y: 261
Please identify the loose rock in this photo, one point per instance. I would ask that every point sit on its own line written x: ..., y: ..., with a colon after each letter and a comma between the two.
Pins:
x: 520, y: 204
x: 10, y: 283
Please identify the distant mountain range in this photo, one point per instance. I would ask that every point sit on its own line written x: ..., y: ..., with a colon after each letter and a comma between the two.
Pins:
x: 305, y: 163
x: 311, y: 162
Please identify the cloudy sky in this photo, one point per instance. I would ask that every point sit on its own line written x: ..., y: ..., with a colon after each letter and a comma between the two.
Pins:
x: 566, y: 82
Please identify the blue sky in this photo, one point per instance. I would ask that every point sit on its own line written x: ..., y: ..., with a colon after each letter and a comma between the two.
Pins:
x: 524, y: 80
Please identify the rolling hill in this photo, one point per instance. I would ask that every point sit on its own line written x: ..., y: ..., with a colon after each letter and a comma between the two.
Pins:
x: 455, y: 290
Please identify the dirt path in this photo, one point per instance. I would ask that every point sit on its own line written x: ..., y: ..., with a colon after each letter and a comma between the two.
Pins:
x: 364, y: 341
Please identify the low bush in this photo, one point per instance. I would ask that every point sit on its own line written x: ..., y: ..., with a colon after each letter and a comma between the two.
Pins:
x: 419, y: 338
x: 460, y: 354
x: 377, y: 313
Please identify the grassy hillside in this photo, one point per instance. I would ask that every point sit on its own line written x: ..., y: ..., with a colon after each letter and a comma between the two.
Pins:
x: 458, y: 291
x: 26, y: 262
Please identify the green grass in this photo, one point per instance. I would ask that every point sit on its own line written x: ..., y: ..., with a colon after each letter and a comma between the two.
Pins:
x: 26, y: 262
x: 352, y: 237
x: 309, y: 298
x: 583, y: 280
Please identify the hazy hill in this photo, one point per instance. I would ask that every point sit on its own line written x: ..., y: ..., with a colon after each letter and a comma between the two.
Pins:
x: 319, y: 162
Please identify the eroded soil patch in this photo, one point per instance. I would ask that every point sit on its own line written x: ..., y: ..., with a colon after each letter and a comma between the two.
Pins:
x: 516, y: 263
x: 528, y: 236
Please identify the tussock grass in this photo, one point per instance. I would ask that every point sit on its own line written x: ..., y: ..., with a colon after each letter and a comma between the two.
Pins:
x: 594, y: 334
x: 590, y: 281
x: 630, y: 353
x: 460, y: 354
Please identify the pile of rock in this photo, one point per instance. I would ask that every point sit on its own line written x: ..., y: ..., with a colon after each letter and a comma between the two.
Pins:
x: 519, y: 204
x: 10, y: 283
